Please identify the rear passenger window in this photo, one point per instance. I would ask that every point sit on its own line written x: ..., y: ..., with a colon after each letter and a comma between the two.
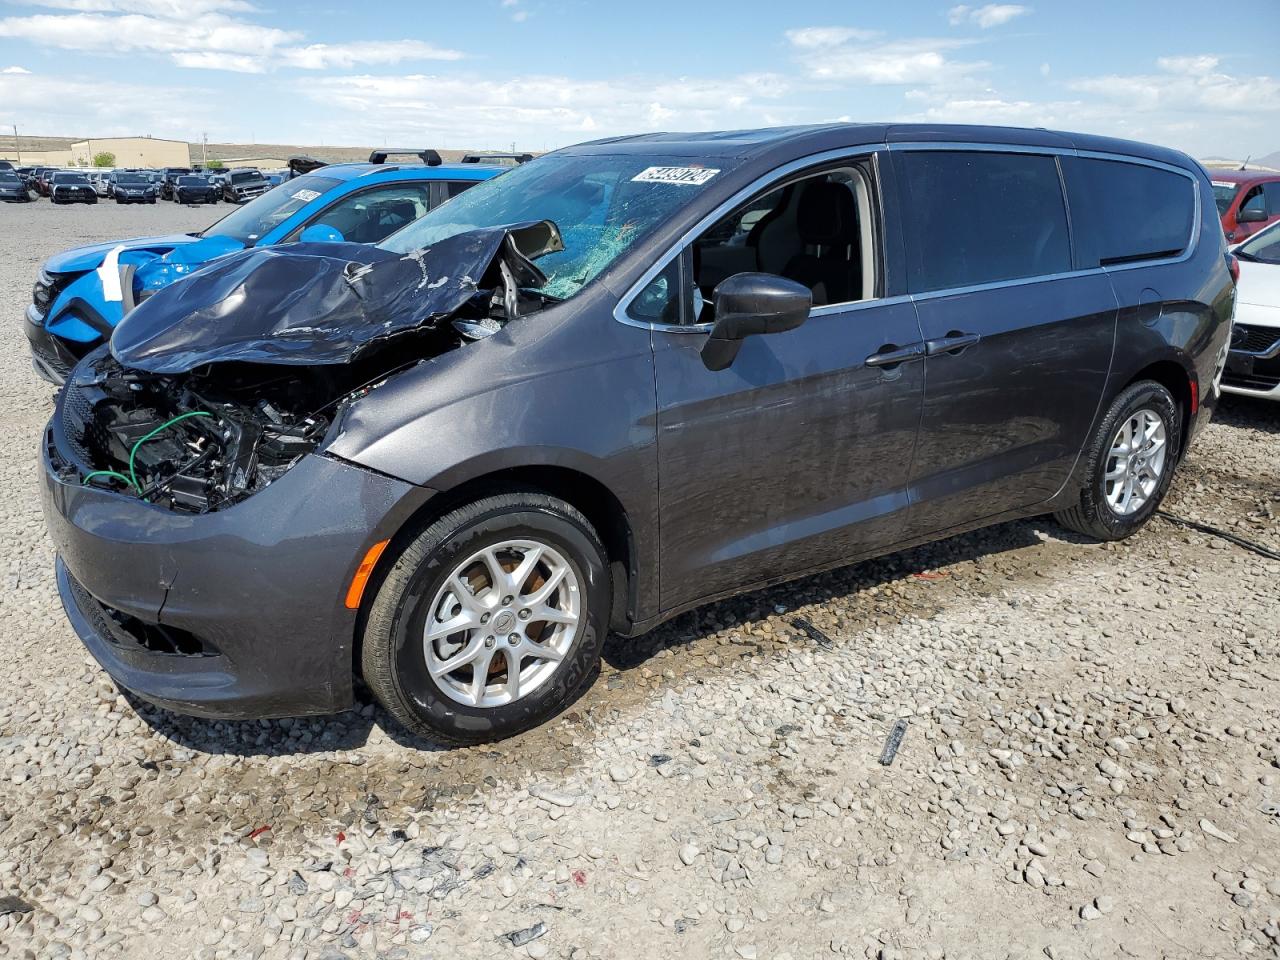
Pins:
x: 981, y: 217
x: 1127, y: 212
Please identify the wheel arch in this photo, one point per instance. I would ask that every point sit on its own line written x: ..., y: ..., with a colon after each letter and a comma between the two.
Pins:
x: 594, y: 499
x: 1181, y: 384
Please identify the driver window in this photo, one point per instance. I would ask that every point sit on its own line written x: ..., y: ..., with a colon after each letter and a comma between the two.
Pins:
x: 816, y: 230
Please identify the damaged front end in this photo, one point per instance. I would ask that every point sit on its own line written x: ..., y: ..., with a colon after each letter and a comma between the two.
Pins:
x: 216, y: 386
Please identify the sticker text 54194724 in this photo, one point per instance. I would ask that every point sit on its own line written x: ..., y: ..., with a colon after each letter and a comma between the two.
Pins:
x: 681, y: 176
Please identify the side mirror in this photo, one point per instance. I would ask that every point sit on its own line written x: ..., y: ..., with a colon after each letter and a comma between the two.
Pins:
x: 1251, y: 216
x: 321, y: 233
x: 752, y: 303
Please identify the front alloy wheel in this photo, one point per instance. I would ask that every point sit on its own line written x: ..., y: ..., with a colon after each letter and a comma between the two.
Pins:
x: 490, y: 620
x: 502, y: 623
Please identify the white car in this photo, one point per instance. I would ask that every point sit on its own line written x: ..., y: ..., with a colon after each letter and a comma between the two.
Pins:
x: 1253, y: 365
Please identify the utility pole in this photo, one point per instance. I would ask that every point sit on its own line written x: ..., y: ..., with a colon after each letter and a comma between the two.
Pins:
x: 17, y: 144
x: 204, y: 150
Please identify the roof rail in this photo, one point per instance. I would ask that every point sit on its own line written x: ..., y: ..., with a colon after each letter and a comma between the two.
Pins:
x: 428, y: 156
x: 496, y: 157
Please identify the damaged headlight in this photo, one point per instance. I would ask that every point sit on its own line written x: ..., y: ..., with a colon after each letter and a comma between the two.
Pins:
x: 47, y: 288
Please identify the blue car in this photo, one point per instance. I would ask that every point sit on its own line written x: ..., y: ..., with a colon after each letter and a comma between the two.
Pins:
x: 82, y: 293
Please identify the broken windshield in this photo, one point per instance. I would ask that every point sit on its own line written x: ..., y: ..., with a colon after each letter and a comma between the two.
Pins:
x: 602, y: 205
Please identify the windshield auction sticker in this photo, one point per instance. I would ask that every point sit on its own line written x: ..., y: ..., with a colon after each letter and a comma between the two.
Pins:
x: 682, y: 176
x: 305, y: 195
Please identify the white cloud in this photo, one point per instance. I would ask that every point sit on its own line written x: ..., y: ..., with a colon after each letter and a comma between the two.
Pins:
x: 324, y: 56
x: 810, y: 38
x: 1194, y: 84
x: 15, y: 70
x: 1189, y: 103
x: 533, y: 110
x: 174, y: 9
x: 106, y: 108
x: 212, y: 41
x: 844, y: 54
x: 988, y: 16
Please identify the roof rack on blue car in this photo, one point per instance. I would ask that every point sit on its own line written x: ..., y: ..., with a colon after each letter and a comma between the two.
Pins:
x: 430, y: 157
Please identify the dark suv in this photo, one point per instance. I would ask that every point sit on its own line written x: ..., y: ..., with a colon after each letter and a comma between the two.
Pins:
x: 625, y: 379
x: 169, y: 180
x: 243, y: 184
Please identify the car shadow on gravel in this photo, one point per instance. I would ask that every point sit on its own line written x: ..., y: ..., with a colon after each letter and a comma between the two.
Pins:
x: 351, y: 730
x: 849, y: 582
x: 296, y: 736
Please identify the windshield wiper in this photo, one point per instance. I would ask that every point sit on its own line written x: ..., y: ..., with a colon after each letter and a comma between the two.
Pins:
x: 1240, y: 255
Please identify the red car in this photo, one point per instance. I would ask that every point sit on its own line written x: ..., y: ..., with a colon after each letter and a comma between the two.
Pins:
x: 1248, y: 200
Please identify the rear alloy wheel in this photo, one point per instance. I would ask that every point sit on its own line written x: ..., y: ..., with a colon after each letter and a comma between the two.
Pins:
x: 490, y: 621
x: 1130, y: 462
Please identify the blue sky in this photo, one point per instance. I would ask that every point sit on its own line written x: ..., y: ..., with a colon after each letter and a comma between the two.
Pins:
x: 543, y: 73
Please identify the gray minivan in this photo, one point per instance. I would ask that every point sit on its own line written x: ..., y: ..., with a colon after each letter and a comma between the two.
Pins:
x: 625, y: 379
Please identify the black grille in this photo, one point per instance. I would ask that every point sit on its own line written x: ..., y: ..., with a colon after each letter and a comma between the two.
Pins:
x: 1251, y: 339
x: 122, y: 630
x: 77, y: 416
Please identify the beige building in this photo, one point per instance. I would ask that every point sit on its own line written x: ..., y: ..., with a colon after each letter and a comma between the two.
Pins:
x: 133, y: 152
x: 37, y: 158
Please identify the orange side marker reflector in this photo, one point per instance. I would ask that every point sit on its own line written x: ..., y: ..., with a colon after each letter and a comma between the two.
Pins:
x: 356, y: 590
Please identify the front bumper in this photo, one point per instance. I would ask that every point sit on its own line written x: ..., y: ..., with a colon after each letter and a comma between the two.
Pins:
x: 1253, y: 367
x: 250, y: 598
x: 51, y: 358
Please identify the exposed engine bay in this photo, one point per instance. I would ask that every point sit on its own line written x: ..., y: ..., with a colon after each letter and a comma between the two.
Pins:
x: 214, y: 387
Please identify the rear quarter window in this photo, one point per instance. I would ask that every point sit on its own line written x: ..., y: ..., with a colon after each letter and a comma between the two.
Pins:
x: 1128, y: 212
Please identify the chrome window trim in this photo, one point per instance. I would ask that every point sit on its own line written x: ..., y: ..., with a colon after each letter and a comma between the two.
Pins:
x: 793, y: 166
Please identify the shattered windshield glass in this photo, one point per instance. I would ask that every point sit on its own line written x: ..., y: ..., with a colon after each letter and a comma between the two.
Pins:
x: 602, y: 205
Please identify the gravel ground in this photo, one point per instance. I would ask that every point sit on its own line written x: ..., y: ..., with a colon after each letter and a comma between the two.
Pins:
x: 1090, y: 765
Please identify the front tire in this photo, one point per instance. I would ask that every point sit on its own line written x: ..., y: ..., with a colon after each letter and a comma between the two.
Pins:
x: 490, y: 621
x: 1129, y: 464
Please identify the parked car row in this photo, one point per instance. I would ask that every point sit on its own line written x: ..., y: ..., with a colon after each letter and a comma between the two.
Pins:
x: 600, y: 389
x: 177, y: 184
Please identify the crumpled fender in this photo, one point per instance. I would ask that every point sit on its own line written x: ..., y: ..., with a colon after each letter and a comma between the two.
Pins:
x: 320, y: 303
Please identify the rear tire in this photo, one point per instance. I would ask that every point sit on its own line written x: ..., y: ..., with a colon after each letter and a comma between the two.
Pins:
x: 552, y: 659
x: 1127, y: 479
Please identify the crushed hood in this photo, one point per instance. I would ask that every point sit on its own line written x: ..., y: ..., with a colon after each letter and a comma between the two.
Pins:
x: 322, y: 303
x: 90, y: 257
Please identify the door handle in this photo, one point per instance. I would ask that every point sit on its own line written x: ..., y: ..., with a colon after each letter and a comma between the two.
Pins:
x: 889, y: 356
x: 952, y: 343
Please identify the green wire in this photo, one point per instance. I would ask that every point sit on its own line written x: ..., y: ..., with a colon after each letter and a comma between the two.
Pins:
x: 133, y: 477
x: 106, y: 473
